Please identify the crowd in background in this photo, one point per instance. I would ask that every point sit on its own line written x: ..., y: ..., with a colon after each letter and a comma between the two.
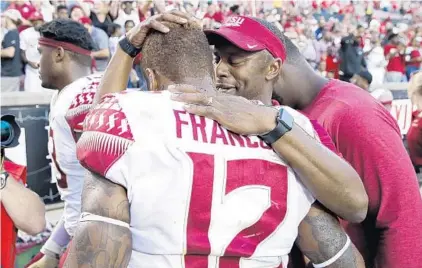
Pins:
x: 359, y: 41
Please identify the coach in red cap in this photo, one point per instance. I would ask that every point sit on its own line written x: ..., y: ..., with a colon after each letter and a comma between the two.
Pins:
x: 252, y: 53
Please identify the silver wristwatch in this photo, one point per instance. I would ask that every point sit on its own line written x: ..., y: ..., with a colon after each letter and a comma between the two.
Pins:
x: 3, y: 179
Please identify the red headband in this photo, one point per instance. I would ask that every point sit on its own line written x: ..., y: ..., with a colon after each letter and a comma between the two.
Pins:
x: 66, y: 46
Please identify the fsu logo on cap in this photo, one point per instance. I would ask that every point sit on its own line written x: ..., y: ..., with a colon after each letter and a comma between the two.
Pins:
x: 233, y: 21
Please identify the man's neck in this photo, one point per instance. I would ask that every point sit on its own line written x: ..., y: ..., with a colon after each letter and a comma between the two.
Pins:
x: 73, y: 76
x: 311, y: 88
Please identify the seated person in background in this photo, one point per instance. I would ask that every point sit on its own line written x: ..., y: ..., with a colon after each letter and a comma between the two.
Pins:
x: 176, y: 214
x: 414, y: 135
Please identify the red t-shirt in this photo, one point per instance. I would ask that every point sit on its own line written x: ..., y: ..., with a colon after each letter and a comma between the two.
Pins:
x: 8, y: 229
x: 217, y: 16
x: 369, y: 139
x: 25, y: 9
x: 396, y: 63
x: 332, y: 65
x: 414, y: 139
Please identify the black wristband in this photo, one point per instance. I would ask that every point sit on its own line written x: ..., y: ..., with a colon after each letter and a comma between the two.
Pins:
x: 128, y: 48
x: 284, y: 122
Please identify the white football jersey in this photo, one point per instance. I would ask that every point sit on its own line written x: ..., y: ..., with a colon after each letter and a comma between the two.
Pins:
x: 200, y: 196
x: 68, y: 109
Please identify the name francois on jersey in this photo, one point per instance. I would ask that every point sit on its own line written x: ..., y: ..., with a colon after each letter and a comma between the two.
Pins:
x: 198, y: 127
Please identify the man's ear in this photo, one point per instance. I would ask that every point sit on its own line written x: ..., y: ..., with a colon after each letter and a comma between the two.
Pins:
x: 152, y: 79
x: 274, y: 69
x: 59, y: 54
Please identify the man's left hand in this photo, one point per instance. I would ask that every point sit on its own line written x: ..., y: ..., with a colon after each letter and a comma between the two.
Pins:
x: 235, y: 113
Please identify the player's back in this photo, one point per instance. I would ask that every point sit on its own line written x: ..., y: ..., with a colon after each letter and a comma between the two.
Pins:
x: 200, y: 196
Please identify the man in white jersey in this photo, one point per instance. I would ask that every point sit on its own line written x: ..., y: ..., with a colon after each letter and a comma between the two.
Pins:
x: 65, y: 64
x: 170, y: 189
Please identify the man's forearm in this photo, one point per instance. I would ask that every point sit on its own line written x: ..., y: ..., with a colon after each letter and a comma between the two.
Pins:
x: 24, y: 207
x: 324, y: 242
x: 116, y: 75
x: 8, y: 52
x: 330, y: 179
x: 100, y: 245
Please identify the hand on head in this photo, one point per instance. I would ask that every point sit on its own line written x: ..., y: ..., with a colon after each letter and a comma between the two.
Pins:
x: 138, y: 34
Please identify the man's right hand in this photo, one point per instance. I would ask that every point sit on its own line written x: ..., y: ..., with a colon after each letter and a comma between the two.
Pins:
x: 45, y: 262
x: 138, y: 33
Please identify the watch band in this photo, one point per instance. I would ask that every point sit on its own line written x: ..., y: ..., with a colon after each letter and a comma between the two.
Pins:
x: 128, y: 48
x: 284, y: 122
x: 3, y: 179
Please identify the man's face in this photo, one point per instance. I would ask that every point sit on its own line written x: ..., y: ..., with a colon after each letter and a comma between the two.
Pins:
x: 129, y: 26
x: 47, y: 68
x: 127, y: 7
x: 63, y: 14
x: 76, y: 14
x: 360, y: 82
x: 360, y: 31
x: 242, y: 73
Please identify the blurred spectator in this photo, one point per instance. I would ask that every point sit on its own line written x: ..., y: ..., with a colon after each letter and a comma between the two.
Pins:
x: 375, y: 59
x: 129, y: 24
x: 413, y: 57
x: 214, y: 17
x: 25, y: 8
x: 76, y: 13
x: 363, y: 79
x: 310, y: 48
x: 414, y: 135
x: 30, y: 55
x: 45, y: 8
x: 101, y: 15
x: 129, y: 11
x: 351, y: 55
x: 62, y: 12
x: 384, y: 96
x: 394, y: 53
x: 234, y: 10
x: 115, y: 32
x: 11, y: 64
x: 102, y: 53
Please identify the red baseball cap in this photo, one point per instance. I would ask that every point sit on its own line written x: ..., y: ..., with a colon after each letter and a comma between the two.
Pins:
x: 35, y: 16
x: 249, y: 35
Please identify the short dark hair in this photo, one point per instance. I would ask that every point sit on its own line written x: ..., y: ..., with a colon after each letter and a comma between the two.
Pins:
x: 182, y: 52
x: 129, y: 21
x: 293, y: 53
x: 112, y: 28
x: 60, y: 7
x: 68, y: 31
